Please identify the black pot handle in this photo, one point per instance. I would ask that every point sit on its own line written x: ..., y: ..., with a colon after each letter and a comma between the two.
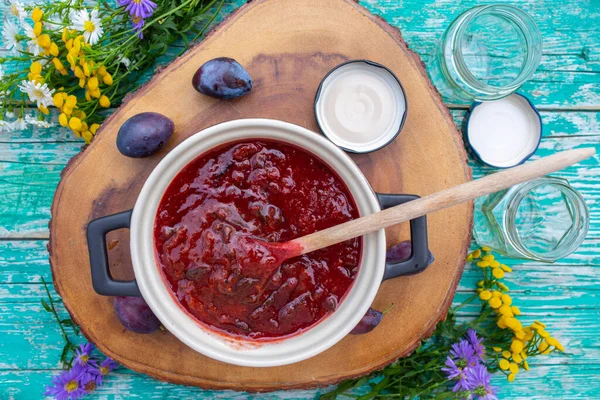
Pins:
x: 102, y: 281
x: 419, y: 256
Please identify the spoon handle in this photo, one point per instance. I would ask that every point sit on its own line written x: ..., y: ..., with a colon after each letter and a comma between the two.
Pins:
x: 440, y: 200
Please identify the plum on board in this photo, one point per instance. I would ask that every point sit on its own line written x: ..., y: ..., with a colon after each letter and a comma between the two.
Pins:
x: 222, y: 78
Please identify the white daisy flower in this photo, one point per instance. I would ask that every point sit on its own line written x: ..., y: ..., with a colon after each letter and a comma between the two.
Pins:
x: 31, y: 120
x: 17, y: 9
x: 9, y: 114
x: 10, y: 31
x: 5, y: 126
x: 38, y: 93
x: 19, y: 124
x: 89, y: 24
x: 32, y: 45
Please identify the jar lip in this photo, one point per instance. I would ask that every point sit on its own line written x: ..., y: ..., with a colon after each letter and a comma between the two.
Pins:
x: 574, y: 197
x: 530, y: 32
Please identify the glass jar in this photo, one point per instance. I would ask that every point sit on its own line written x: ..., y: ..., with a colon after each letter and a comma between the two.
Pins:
x: 544, y: 220
x: 487, y: 53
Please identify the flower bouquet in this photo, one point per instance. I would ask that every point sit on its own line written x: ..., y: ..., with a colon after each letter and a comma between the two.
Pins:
x: 83, y: 59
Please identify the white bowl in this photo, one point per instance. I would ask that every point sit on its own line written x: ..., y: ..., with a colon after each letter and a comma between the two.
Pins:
x: 248, y: 352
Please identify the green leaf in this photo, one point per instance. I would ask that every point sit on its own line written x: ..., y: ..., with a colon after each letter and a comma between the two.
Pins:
x: 46, y: 306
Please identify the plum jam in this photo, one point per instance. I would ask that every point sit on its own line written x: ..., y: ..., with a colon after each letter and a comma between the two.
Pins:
x: 263, y: 190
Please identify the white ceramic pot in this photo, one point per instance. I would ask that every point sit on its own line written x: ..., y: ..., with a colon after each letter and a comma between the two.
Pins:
x: 246, y: 352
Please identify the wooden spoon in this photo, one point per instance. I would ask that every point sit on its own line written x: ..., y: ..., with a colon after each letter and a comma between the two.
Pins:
x: 416, y: 208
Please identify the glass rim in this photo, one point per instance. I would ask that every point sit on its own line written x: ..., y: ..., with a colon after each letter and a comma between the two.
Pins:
x: 528, y: 29
x: 578, y: 231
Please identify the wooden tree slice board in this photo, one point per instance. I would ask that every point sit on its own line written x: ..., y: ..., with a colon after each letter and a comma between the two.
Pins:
x: 287, y: 46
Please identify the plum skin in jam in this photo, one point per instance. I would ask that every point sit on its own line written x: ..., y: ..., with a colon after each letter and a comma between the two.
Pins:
x: 262, y: 189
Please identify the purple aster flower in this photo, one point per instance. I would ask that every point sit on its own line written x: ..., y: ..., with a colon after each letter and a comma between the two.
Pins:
x: 478, y: 380
x: 88, y: 381
x: 463, y: 353
x: 67, y: 385
x: 105, y: 367
x: 454, y: 372
x: 83, y: 355
x: 138, y: 8
x: 138, y: 24
x: 476, y: 343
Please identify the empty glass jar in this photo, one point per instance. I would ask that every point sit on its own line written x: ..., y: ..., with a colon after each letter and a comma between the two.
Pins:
x: 545, y: 219
x: 487, y: 53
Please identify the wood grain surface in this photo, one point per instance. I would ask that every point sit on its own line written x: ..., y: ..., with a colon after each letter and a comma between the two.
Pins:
x: 312, y: 37
x: 566, y: 87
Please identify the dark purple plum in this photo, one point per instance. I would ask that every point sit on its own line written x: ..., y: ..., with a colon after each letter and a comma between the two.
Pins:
x: 144, y: 134
x: 402, y: 251
x: 371, y: 319
x: 222, y: 78
x: 135, y: 315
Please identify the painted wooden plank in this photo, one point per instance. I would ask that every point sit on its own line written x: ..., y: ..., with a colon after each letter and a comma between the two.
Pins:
x: 30, y: 172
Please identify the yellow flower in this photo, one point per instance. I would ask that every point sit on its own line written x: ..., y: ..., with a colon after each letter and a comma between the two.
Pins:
x: 517, y: 358
x: 497, y: 349
x: 78, y: 72
x: 516, y: 310
x: 476, y: 253
x: 37, y: 28
x: 84, y: 127
x: 528, y: 333
x: 102, y: 71
x: 520, y: 335
x: 88, y: 97
x: 505, y: 310
x: 501, y: 323
x: 543, y: 333
x: 506, y: 354
x: 75, y: 124
x: 107, y: 79
x: 95, y: 93
x: 524, y: 355
x: 44, y: 41
x: 526, y: 365
x: 506, y: 299
x: 506, y: 268
x: 485, y: 248
x: 502, y: 286
x: 35, y: 68
x: 58, y: 100
x: 104, y: 101
x: 498, y: 273
x: 514, y: 324
x: 71, y: 101
x: 67, y: 110
x: 542, y: 346
x: 92, y: 83
x: 81, y: 82
x: 36, y: 14
x: 488, y: 257
x: 86, y: 69
x: 504, y: 364
x: 53, y: 49
x: 485, y: 295
x: 483, y: 264
x: 62, y: 119
x: 514, y: 368
x: 495, y: 302
x: 559, y: 346
x: 497, y: 294
x: 69, y: 45
x: 480, y: 284
x: 64, y: 35
x: 540, y: 324
x: 44, y: 109
x: 511, y: 377
x: 76, y: 45
x: 87, y: 136
x: 494, y: 264
x: 516, y: 346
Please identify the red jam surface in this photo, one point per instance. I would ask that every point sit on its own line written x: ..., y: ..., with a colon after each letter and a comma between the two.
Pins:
x: 205, y: 235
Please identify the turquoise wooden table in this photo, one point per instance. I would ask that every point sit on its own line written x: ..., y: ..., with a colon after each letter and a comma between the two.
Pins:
x: 565, y: 295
